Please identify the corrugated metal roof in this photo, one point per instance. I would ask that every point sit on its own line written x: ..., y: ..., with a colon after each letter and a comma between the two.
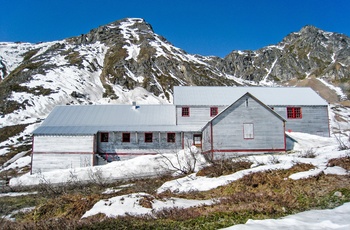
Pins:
x: 90, y: 130
x: 111, y: 115
x: 88, y: 119
x: 272, y: 96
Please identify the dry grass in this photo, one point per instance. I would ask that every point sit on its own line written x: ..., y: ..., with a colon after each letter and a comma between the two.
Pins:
x: 259, y: 195
x: 70, y: 206
x: 224, y: 167
x: 343, y: 162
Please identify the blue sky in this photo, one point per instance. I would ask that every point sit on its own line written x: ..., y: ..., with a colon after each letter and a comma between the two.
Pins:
x: 197, y: 26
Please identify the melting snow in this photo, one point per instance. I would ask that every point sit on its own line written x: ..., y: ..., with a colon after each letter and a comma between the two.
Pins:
x: 131, y: 205
x: 264, y: 81
x: 151, y: 165
x: 338, y: 90
x: 13, y: 194
x: 337, y: 218
x: 324, y: 149
x: 133, y: 51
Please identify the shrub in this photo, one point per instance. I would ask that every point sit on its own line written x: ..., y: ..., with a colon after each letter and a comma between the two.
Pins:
x: 343, y: 162
x: 224, y: 167
x: 310, y: 153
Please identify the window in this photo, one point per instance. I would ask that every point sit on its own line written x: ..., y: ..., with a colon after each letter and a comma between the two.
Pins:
x: 148, y: 137
x: 185, y: 111
x: 294, y: 113
x: 248, y: 131
x: 171, y: 137
x: 104, y: 137
x: 126, y: 137
x: 213, y: 111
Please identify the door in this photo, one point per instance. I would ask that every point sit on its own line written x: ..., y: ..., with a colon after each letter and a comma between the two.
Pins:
x: 197, y: 140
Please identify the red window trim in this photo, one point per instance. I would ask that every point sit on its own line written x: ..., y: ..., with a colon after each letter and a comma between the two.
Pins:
x: 124, y: 139
x: 294, y: 113
x: 185, y: 111
x: 147, y: 140
x: 213, y: 111
x: 172, y: 139
x: 104, y: 137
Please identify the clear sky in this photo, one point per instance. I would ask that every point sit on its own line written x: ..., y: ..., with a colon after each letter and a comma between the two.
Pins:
x: 197, y: 26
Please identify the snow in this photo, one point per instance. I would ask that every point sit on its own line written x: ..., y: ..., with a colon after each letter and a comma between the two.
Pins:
x: 337, y: 218
x: 143, y: 166
x: 133, y: 51
x: 128, y: 34
x: 79, y: 80
x: 20, y: 162
x: 264, y: 81
x: 323, y: 149
x: 163, y: 48
x: 138, y: 94
x: 132, y: 76
x: 13, y: 53
x: 88, y: 83
x: 276, y: 46
x: 241, y: 81
x: 199, y: 183
x: 14, y: 194
x: 338, y: 90
x: 130, y: 205
x: 63, y: 81
x: 22, y: 210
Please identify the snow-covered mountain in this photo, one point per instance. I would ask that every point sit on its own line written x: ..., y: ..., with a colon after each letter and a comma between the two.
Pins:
x: 126, y: 61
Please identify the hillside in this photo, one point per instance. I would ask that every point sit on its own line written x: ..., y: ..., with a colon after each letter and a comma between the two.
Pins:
x: 127, y: 61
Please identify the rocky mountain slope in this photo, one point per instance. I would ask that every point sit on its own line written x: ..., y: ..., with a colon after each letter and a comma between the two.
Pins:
x: 126, y: 61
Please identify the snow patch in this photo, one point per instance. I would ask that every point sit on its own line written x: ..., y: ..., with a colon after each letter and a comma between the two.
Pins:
x: 131, y: 204
x: 337, y: 218
x: 338, y: 90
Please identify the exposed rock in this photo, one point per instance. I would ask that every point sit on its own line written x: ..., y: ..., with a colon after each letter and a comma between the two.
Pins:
x: 3, y: 70
x: 131, y: 55
x: 310, y: 52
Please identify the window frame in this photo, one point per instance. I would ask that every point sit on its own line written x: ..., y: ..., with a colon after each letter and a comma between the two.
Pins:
x: 126, y: 137
x: 214, y: 111
x: 171, y: 137
x: 104, y: 137
x: 248, y: 131
x: 147, y: 139
x: 185, y: 111
x: 294, y: 113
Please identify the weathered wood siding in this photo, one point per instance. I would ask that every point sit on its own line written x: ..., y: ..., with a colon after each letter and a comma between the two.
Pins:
x: 199, y: 115
x: 137, y: 141
x: 227, y: 132
x: 206, y: 138
x: 61, y: 152
x: 188, y: 139
x: 44, y: 162
x: 314, y: 120
x: 60, y: 144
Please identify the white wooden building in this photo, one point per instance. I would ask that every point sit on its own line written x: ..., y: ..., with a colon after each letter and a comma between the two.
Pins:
x: 245, y: 126
x: 218, y: 120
